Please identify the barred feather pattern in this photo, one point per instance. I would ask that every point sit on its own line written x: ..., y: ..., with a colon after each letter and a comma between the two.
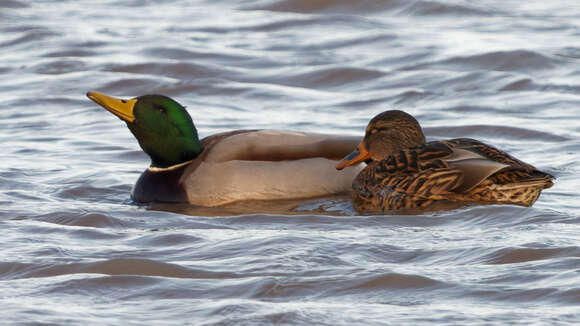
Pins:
x: 489, y: 192
x: 419, y: 177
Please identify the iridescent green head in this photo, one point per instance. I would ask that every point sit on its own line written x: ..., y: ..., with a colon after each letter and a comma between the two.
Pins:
x: 162, y: 126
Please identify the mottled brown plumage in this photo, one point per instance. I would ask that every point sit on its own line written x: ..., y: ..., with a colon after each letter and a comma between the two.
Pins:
x: 405, y: 172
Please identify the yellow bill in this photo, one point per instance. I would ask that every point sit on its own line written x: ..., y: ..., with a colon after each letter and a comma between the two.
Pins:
x: 121, y: 108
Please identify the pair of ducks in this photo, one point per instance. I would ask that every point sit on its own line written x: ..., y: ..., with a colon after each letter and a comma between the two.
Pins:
x: 402, y: 170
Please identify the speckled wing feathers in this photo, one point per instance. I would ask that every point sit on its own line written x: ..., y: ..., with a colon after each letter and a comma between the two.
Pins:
x: 410, y: 179
x: 456, y: 170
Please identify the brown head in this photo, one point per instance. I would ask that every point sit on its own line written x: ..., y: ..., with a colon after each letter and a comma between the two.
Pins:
x: 387, y: 133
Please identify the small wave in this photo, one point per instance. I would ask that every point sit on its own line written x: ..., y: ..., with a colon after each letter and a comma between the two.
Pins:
x: 349, y: 42
x: 517, y: 60
x: 136, y: 86
x: 569, y: 52
x: 419, y: 8
x: 30, y: 37
x: 522, y: 255
x: 434, y: 8
x: 121, y: 285
x: 527, y: 84
x: 187, y: 54
x: 116, y: 266
x: 284, y: 24
x: 57, y: 67
x: 126, y: 87
x: 164, y: 240
x: 96, y: 220
x: 515, y: 295
x: 174, y: 70
x: 568, y: 297
x: 326, y: 78
x: 73, y: 100
x: 519, y: 85
x: 411, y: 96
x: 78, y: 191
x: 12, y: 4
x: 70, y: 53
x: 146, y: 267
x: 337, y: 6
x: 346, y: 286
x: 393, y: 281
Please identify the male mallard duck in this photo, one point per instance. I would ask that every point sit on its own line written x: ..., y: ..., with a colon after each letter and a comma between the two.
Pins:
x: 405, y: 172
x: 230, y: 166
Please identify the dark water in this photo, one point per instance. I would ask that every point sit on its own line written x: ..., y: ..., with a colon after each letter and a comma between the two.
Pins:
x: 76, y: 251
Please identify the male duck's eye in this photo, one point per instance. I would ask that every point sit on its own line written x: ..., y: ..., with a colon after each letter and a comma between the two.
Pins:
x: 159, y: 108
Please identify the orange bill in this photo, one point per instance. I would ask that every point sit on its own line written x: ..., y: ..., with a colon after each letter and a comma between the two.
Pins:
x: 359, y: 155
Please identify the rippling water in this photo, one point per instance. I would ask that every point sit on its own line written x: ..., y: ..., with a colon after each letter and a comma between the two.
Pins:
x: 76, y: 250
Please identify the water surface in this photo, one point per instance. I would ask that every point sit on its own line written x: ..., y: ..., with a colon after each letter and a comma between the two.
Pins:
x: 76, y: 250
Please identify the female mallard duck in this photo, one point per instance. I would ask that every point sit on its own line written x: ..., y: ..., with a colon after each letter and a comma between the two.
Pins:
x: 230, y: 166
x: 405, y: 172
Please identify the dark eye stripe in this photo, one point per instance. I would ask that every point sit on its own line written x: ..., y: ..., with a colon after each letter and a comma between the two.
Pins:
x: 377, y: 129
